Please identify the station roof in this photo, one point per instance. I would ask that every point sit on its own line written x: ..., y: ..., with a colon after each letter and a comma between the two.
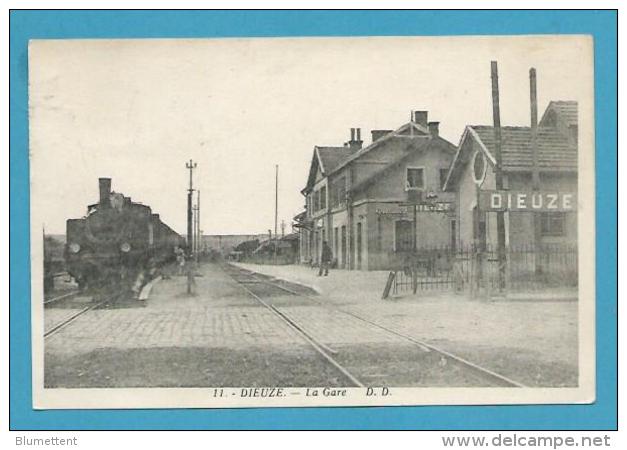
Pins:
x: 563, y: 110
x: 332, y: 157
x: 556, y: 151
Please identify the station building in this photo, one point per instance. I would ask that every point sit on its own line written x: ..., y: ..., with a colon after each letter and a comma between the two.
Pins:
x: 557, y: 160
x: 357, y: 197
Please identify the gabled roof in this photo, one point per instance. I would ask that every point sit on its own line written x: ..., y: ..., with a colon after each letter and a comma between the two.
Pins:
x: 327, y: 159
x: 565, y: 110
x: 331, y: 157
x: 408, y: 130
x: 556, y: 152
x: 423, y: 144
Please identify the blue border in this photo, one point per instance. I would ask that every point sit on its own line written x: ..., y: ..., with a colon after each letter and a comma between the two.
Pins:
x: 602, y: 25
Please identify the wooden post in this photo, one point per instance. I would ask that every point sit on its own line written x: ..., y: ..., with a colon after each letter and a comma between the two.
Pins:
x: 276, y: 208
x: 191, y: 165
x: 535, y: 174
x: 478, y: 246
x: 500, y: 215
x: 197, y: 230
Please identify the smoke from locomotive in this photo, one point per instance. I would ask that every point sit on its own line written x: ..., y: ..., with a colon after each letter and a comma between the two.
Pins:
x: 118, y: 242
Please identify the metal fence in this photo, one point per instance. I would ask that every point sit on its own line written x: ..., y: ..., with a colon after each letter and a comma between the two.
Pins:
x: 443, y: 268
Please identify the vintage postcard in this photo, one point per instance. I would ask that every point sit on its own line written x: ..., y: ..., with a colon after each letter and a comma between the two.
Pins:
x: 312, y: 221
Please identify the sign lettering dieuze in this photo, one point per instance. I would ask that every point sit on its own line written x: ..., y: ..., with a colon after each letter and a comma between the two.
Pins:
x: 534, y: 201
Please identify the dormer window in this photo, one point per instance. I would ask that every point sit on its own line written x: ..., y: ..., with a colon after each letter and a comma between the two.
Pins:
x: 415, y: 178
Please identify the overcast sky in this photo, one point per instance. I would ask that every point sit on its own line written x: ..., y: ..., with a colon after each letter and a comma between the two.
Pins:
x: 137, y: 110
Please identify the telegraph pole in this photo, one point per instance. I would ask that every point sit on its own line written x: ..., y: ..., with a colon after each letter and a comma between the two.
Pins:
x: 500, y: 217
x: 535, y: 175
x: 276, y: 197
x: 198, y: 235
x: 191, y: 165
x: 276, y: 207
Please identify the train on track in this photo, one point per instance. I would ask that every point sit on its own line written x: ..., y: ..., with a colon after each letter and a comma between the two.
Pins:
x: 118, y: 243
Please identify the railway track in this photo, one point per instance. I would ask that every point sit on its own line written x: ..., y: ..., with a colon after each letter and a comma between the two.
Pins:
x: 71, y: 318
x: 59, y: 298
x: 322, y: 349
x: 476, y: 371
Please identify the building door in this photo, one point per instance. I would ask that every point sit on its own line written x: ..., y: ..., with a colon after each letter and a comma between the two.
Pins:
x: 403, y: 235
x: 359, y: 246
x: 343, y: 246
x: 453, y: 235
x: 336, y: 244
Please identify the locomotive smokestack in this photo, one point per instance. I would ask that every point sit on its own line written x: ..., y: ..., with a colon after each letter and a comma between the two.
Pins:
x: 105, y: 189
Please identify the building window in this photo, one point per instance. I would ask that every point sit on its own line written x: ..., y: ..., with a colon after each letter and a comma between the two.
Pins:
x: 323, y: 197
x: 337, y: 192
x: 415, y: 178
x: 552, y: 223
x: 341, y: 190
x: 443, y: 174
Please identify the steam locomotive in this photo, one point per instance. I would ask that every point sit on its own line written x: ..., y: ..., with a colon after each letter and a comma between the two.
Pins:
x: 118, y: 242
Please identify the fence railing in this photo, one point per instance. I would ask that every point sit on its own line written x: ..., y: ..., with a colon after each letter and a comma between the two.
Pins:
x: 469, y: 268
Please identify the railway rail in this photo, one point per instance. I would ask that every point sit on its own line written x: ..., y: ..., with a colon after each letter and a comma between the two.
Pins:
x: 477, y: 371
x: 59, y: 298
x: 322, y: 349
x: 70, y: 319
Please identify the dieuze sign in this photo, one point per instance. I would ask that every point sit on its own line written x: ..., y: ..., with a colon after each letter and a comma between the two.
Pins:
x: 534, y: 201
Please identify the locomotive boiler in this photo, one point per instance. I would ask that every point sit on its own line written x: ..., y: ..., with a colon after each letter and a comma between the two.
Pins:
x: 118, y: 242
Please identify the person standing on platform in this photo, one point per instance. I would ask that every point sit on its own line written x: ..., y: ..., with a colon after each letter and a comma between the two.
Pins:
x: 325, y: 259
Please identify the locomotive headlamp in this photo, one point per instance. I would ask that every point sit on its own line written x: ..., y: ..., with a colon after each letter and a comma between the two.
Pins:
x: 125, y: 247
x: 74, y: 247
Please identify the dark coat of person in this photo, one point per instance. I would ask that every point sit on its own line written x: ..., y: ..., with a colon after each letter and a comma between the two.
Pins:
x: 327, y: 253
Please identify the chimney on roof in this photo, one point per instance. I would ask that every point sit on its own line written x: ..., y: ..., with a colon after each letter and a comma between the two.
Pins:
x: 378, y: 134
x: 421, y: 117
x: 434, y: 129
x: 355, y: 142
x: 104, y: 185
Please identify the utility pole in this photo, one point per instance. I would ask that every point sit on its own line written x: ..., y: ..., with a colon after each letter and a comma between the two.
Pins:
x: 191, y: 165
x: 535, y: 174
x: 197, y: 231
x: 500, y: 216
x: 276, y: 207
x: 276, y: 197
